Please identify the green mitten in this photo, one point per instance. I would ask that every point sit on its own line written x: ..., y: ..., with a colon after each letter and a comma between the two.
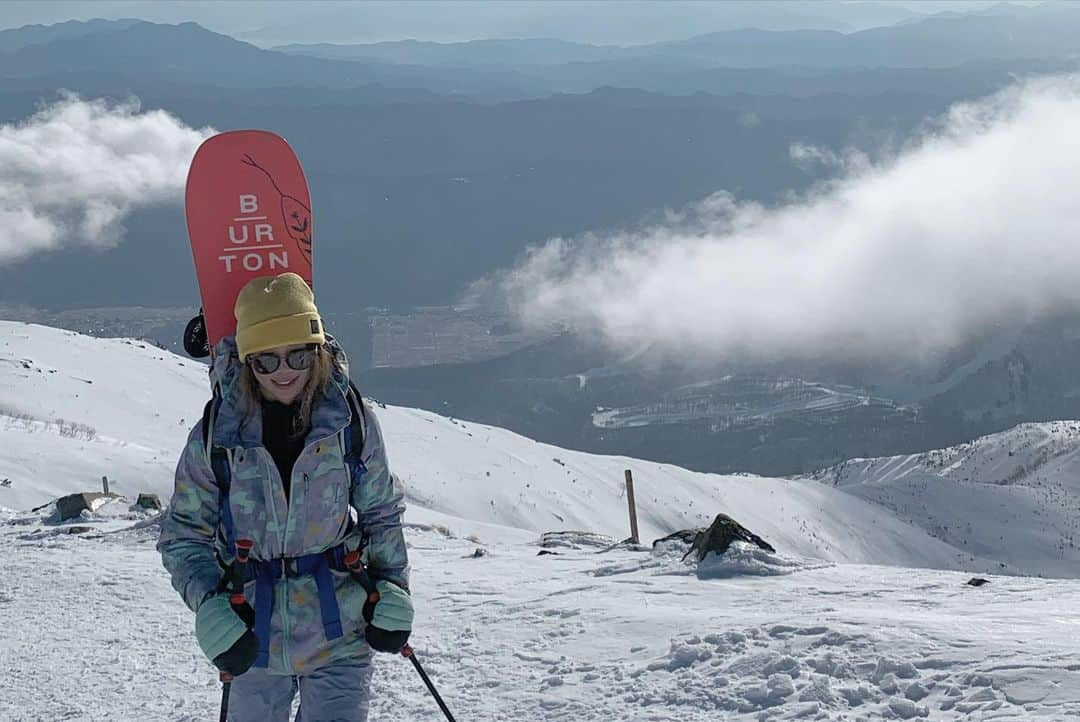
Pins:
x: 220, y: 630
x: 391, y: 620
x: 394, y: 610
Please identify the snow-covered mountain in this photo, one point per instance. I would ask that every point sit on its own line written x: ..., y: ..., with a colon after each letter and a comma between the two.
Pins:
x: 838, y: 624
x: 74, y: 408
x: 1014, y: 496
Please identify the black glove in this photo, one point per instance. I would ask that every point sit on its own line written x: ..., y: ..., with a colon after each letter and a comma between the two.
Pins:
x: 238, y: 658
x: 389, y: 614
x: 383, y: 641
x: 246, y: 614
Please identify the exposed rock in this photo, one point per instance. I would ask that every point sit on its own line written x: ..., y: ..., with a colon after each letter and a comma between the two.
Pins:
x: 686, y: 536
x: 717, y: 538
x: 72, y: 505
x: 149, y: 501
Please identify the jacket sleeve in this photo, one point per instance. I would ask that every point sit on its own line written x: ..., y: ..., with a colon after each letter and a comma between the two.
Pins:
x: 379, y: 499
x: 189, y: 526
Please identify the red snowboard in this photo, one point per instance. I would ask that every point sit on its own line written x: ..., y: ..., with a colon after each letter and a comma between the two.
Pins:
x: 248, y: 215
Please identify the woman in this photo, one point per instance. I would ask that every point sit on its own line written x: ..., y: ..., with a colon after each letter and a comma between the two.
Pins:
x: 283, y: 465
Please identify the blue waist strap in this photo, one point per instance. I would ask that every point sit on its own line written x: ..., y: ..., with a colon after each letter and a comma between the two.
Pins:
x: 267, y: 574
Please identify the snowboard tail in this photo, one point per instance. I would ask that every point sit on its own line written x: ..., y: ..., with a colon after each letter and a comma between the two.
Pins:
x: 248, y: 215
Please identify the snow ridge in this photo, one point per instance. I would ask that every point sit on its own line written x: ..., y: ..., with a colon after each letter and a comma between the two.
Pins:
x: 1014, y: 495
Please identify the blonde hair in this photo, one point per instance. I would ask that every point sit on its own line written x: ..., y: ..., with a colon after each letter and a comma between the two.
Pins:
x: 318, y: 380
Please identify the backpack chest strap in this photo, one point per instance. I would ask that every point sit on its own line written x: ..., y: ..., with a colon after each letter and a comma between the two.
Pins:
x: 269, y: 572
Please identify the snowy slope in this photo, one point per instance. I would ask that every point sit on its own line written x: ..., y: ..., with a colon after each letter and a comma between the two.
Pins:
x: 74, y: 408
x: 91, y: 630
x: 140, y: 401
x: 578, y: 637
x: 1013, y: 495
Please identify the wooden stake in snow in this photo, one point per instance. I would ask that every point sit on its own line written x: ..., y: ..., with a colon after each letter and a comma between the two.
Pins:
x: 633, y: 507
x: 105, y: 484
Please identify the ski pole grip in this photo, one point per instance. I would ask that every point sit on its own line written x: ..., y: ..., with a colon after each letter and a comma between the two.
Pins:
x: 354, y: 564
x: 243, y: 553
x: 243, y: 550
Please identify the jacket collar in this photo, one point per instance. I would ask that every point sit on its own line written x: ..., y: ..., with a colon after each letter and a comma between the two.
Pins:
x: 232, y: 428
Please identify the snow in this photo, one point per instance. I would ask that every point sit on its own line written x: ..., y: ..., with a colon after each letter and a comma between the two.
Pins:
x: 1014, y: 496
x: 705, y: 401
x: 75, y: 408
x: 862, y: 613
x: 512, y: 636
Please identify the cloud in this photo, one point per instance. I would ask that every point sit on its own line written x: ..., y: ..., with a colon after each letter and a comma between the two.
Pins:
x: 72, y: 172
x: 974, y: 224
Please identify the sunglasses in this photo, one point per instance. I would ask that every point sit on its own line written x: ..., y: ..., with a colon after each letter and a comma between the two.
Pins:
x: 299, y: 359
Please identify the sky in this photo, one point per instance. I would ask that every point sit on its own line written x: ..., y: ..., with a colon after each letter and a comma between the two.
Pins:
x: 270, y: 23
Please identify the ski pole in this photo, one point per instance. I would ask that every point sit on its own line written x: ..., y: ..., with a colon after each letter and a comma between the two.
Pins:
x: 409, y: 654
x: 356, y: 566
x: 236, y: 598
x: 226, y: 686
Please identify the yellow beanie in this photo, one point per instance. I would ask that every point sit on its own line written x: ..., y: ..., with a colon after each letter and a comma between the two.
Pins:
x: 274, y: 311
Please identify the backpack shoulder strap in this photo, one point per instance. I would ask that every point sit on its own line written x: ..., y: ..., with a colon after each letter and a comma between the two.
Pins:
x: 209, y: 411
x: 355, y: 432
x: 219, y: 464
x: 353, y: 437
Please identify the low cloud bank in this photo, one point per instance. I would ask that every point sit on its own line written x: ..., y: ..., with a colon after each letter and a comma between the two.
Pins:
x: 71, y: 173
x: 974, y: 224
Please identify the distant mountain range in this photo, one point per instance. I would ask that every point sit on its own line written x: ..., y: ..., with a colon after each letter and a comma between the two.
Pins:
x: 15, y: 39
x: 189, y: 54
x: 586, y: 22
x: 794, y: 61
x: 528, y: 68
x: 1004, y: 33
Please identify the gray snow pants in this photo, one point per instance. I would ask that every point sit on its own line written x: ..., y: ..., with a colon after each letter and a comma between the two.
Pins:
x: 339, y: 693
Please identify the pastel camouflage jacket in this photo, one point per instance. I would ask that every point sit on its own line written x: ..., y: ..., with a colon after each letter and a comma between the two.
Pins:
x: 319, y: 515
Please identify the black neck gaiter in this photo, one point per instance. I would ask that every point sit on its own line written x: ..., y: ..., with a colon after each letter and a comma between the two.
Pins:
x: 282, y: 437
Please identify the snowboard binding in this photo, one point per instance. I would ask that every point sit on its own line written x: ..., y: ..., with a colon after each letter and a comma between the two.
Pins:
x: 196, y: 344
